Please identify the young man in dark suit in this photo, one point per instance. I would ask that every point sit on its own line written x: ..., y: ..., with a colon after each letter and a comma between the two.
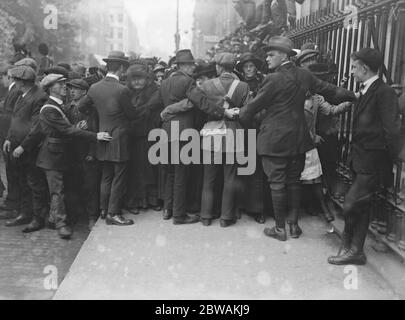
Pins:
x: 284, y: 135
x: 375, y: 145
x: 24, y: 115
x: 12, y: 200
x: 112, y: 101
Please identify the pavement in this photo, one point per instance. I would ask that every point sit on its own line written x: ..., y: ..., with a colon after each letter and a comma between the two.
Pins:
x: 156, y: 260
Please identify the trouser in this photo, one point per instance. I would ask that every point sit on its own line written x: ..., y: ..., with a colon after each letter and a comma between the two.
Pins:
x: 83, y: 189
x: 356, y: 210
x: 230, y: 193
x: 113, y: 186
x: 13, y: 190
x: 284, y: 174
x: 25, y: 205
x: 40, y: 192
x: 57, y: 213
x: 176, y: 189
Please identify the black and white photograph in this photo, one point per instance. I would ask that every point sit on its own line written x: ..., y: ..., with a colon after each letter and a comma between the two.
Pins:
x: 202, y: 155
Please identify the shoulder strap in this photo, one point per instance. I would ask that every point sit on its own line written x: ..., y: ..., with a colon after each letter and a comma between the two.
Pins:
x: 232, y: 89
x: 55, y: 108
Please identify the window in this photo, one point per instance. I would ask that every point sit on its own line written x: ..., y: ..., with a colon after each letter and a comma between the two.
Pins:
x: 111, y: 17
x: 112, y: 33
x: 120, y: 17
x: 120, y: 34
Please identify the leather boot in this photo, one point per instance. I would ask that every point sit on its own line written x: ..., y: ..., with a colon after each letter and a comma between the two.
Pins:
x: 276, y: 233
x: 118, y: 220
x: 35, y: 225
x: 167, y: 214
x: 295, y: 230
x: 280, y: 206
x: 186, y: 220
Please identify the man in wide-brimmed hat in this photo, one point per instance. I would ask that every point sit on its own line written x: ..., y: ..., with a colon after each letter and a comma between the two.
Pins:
x: 113, y: 104
x: 284, y: 138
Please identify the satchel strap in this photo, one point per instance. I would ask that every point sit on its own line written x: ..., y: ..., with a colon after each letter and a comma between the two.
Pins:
x: 231, y: 92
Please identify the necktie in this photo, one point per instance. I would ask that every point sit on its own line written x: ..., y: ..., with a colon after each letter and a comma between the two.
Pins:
x: 362, y: 88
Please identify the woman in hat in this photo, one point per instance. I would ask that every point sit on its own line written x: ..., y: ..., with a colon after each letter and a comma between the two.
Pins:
x: 142, y: 190
x: 312, y: 175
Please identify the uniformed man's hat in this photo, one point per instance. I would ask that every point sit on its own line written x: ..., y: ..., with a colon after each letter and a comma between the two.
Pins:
x: 370, y: 57
x: 25, y: 73
x: 51, y: 79
x: 28, y: 62
x: 280, y: 43
x: 79, y: 83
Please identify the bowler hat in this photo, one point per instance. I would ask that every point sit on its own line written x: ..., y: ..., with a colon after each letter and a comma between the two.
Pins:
x: 79, y: 83
x: 184, y: 56
x: 225, y: 58
x: 139, y: 69
x: 50, y: 80
x: 246, y: 57
x: 281, y: 43
x: 25, y: 73
x: 371, y: 57
x: 117, y: 56
x: 27, y: 62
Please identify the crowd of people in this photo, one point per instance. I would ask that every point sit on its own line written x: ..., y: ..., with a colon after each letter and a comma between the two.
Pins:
x: 76, y: 140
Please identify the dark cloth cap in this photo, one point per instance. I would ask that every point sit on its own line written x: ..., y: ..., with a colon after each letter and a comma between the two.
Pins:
x: 159, y: 67
x: 225, y: 58
x: 25, y: 73
x: 205, y: 69
x: 117, y: 56
x: 57, y: 70
x: 79, y: 83
x: 184, y: 56
x: 246, y: 57
x: 28, y: 62
x: 371, y: 57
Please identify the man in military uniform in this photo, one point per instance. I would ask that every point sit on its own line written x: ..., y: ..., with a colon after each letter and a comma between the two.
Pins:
x: 284, y: 135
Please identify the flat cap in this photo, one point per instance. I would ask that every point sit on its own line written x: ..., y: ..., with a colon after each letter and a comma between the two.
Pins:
x: 371, y: 57
x: 23, y: 73
x: 57, y: 70
x: 28, y: 62
x: 79, y: 83
x: 225, y: 58
x: 51, y: 79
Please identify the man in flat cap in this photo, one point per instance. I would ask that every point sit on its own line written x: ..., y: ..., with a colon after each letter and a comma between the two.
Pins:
x: 55, y: 132
x: 178, y: 87
x: 11, y: 203
x: 20, y: 157
x: 83, y: 179
x: 375, y: 146
x: 284, y: 137
x: 112, y: 100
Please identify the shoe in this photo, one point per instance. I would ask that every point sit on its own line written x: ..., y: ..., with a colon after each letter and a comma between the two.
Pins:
x: 279, y: 234
x: 295, y: 230
x: 227, y: 223
x: 118, y: 220
x: 21, y: 220
x: 260, y: 219
x: 8, y: 214
x: 206, y: 222
x: 133, y: 211
x: 92, y: 223
x: 65, y: 232
x: 103, y: 214
x: 186, y: 220
x: 35, y: 225
x: 157, y: 208
x: 351, y: 257
x: 167, y: 214
x: 329, y: 217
